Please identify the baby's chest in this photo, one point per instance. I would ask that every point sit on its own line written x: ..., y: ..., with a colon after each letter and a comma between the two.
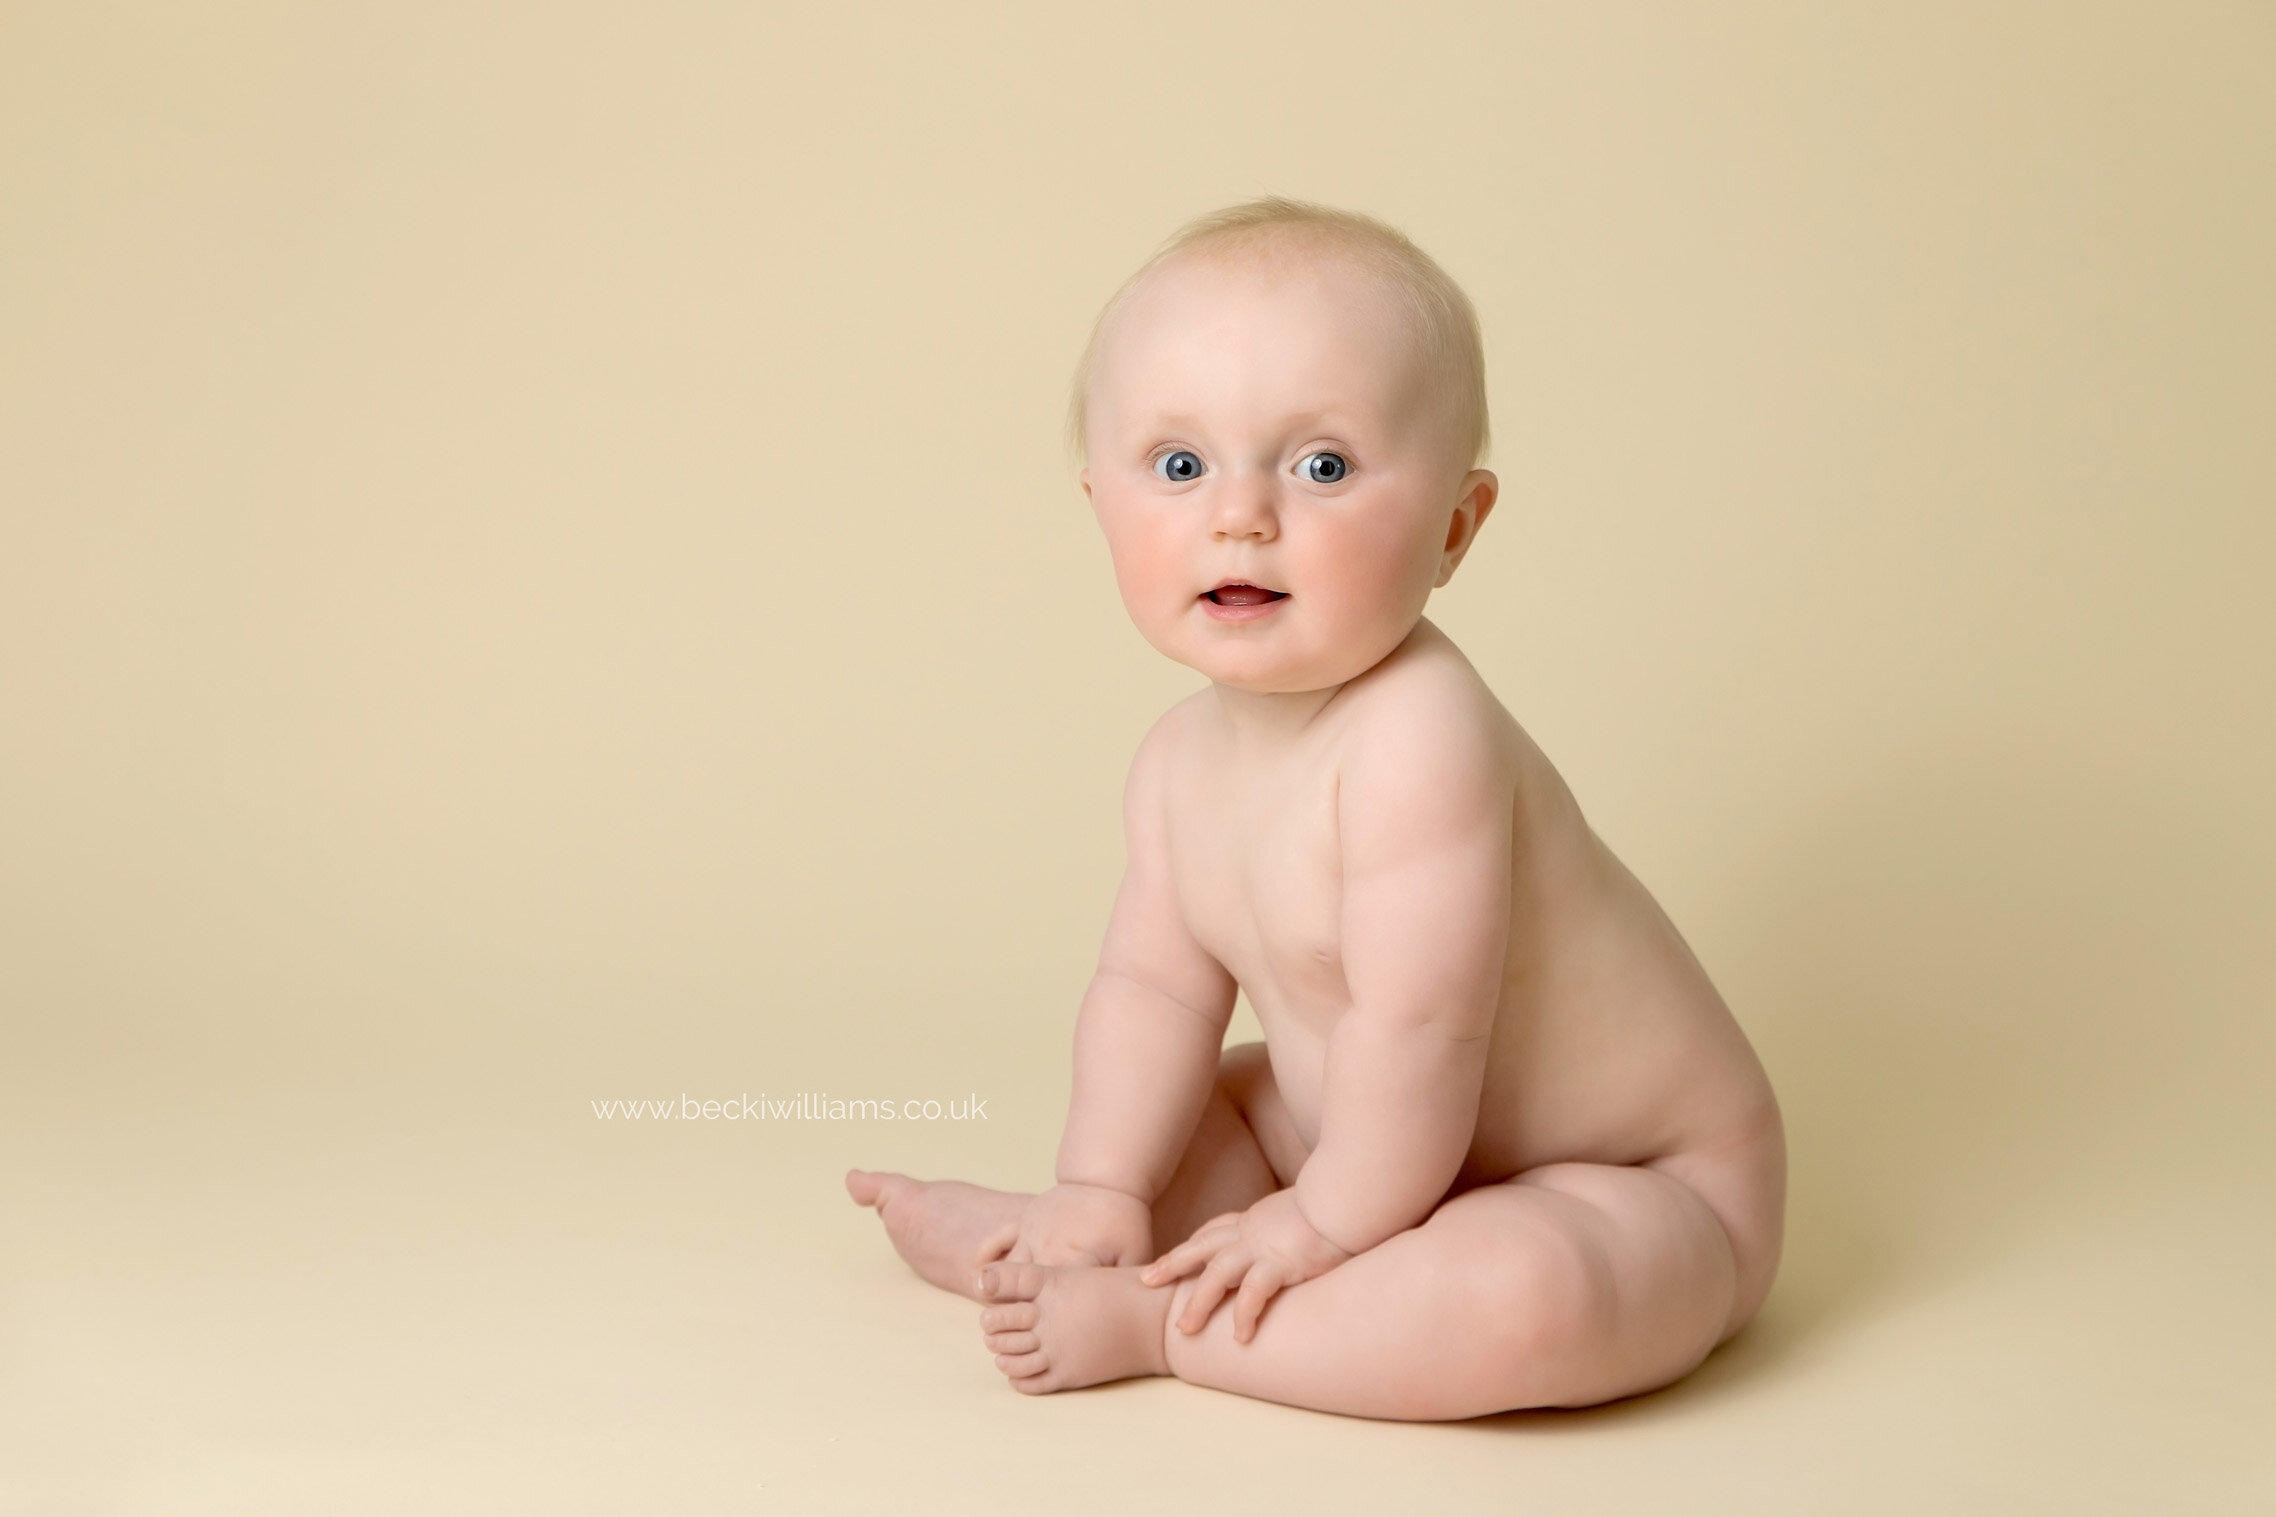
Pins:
x: 1259, y: 872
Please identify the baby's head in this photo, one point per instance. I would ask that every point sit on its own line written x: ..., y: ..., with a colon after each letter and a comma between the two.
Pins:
x: 1292, y: 399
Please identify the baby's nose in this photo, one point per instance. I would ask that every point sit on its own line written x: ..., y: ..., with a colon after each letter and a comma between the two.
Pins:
x: 1245, y: 508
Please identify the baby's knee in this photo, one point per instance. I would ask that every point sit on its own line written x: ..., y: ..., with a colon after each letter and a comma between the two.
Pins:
x: 1244, y: 1078
x: 1243, y: 1062
x: 1244, y: 1074
x: 1545, y: 1300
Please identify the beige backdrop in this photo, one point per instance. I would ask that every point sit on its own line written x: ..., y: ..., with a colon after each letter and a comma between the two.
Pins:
x: 536, y: 567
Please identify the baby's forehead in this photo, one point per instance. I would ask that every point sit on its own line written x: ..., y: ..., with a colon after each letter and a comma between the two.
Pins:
x: 1360, y: 294
x: 1289, y: 307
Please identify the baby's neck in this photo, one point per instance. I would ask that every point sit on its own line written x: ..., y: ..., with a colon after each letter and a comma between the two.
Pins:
x: 1270, y: 717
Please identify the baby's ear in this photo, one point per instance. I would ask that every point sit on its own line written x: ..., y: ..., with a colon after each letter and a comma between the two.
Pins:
x: 1479, y: 492
x: 1480, y: 488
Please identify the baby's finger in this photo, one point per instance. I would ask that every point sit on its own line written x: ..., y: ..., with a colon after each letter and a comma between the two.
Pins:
x: 1181, y: 1261
x: 1261, y: 1285
x: 1224, y: 1273
x: 1207, y: 1241
x: 1174, y: 1265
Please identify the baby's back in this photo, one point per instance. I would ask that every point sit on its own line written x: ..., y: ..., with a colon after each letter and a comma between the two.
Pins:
x: 1610, y: 1046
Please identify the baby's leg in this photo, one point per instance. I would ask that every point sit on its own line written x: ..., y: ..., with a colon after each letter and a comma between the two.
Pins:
x: 938, y: 1227
x: 1566, y: 1286
x: 1569, y: 1285
x: 944, y: 1228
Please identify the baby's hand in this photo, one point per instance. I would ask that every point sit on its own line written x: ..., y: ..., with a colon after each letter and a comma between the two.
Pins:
x: 1076, y: 1224
x: 1262, y: 1250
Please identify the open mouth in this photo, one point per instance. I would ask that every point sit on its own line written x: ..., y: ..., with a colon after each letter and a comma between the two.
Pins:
x: 1238, y: 593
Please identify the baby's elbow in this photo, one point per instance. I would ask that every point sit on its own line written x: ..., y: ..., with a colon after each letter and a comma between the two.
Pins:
x: 1454, y: 1025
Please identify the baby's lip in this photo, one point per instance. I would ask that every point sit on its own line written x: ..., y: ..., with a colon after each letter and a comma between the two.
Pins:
x: 1241, y: 592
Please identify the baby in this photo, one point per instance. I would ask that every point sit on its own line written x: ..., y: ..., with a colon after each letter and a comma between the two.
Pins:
x: 1503, y: 1145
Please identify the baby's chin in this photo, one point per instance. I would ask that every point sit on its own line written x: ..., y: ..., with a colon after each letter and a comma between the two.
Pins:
x: 1261, y: 668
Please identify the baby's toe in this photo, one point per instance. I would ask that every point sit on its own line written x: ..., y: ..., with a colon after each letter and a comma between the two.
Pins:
x: 1013, y: 1343
x: 1011, y: 1317
x: 1012, y: 1282
x: 1027, y: 1366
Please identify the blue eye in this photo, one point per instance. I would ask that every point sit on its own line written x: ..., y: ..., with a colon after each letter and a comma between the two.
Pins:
x: 1324, y: 468
x: 1179, y: 467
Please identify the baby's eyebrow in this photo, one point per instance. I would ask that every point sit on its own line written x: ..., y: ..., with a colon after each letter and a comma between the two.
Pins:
x: 1285, y: 432
x: 1176, y: 421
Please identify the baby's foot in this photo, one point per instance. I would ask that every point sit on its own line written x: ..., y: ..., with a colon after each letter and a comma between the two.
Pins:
x: 942, y: 1227
x: 1054, y: 1328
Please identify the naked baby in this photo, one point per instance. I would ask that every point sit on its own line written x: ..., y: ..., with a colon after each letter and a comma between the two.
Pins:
x: 1503, y: 1145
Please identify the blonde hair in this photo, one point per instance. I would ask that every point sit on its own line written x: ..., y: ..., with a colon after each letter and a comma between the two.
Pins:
x: 1445, y: 322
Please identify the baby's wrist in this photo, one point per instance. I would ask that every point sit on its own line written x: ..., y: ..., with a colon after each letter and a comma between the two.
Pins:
x: 1296, y: 1197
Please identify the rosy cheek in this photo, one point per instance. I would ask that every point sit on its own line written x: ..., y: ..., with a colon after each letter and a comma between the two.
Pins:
x: 1146, y: 565
x: 1165, y: 552
x: 1347, y: 568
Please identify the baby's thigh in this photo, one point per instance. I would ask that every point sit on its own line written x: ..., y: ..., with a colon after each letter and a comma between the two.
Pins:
x: 1244, y: 1074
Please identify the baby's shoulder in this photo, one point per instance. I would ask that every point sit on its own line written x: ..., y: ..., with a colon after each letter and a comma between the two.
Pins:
x: 1423, y: 716
x: 1166, y: 744
x: 1176, y: 730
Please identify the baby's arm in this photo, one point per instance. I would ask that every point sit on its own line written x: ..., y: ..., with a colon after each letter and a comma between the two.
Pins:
x: 1424, y: 813
x: 1426, y: 828
x: 1146, y: 1046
